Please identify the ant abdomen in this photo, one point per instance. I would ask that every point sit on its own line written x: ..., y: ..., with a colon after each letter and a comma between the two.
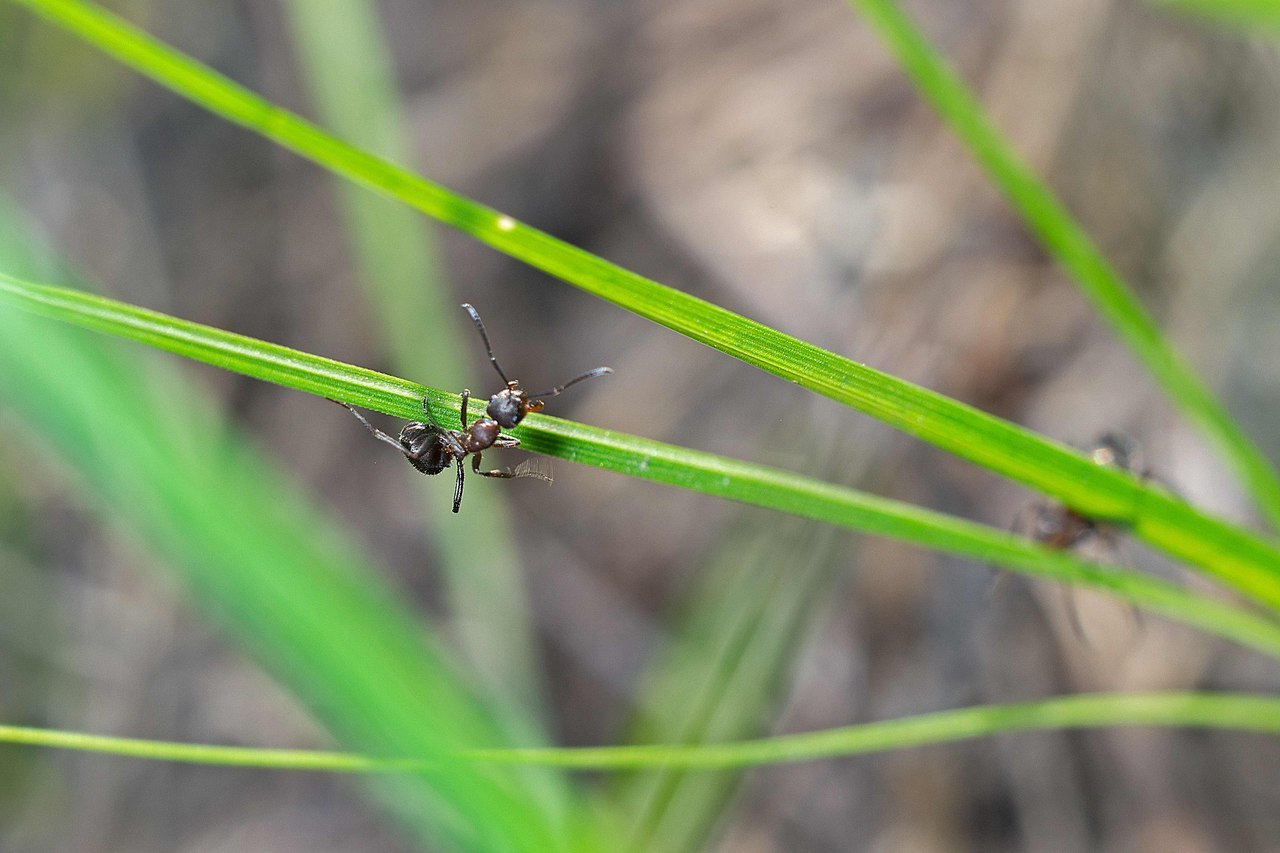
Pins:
x: 425, y: 450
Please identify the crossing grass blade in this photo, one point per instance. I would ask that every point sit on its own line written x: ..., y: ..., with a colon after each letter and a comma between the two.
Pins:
x: 1223, y: 711
x: 1244, y: 560
x: 745, y: 482
x: 1067, y: 241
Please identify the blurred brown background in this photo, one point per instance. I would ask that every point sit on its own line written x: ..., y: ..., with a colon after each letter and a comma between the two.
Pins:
x: 771, y: 158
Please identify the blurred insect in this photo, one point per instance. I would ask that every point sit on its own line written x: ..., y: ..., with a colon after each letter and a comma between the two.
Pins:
x: 431, y: 448
x: 1065, y: 529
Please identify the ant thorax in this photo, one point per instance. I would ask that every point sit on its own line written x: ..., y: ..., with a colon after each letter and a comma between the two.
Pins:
x: 481, y: 435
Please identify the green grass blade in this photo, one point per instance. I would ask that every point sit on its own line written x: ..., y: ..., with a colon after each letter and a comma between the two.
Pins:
x: 1259, y: 714
x: 1227, y: 711
x: 269, y: 569
x: 1067, y: 241
x: 1260, y: 15
x: 1242, y: 559
x: 691, y: 469
x: 345, y: 62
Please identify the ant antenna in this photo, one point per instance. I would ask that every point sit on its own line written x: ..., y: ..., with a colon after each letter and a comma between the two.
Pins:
x: 590, y: 374
x: 475, y: 318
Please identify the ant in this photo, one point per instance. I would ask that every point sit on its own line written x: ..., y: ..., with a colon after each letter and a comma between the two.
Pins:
x: 431, y: 448
x: 1062, y: 528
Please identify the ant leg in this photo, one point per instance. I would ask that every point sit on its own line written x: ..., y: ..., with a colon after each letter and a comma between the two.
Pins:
x: 1110, y: 538
x: 501, y: 473
x: 426, y: 409
x: 1022, y: 525
x: 457, y: 489
x: 466, y: 398
x: 535, y: 467
x: 374, y: 431
x: 1157, y: 480
x: 1073, y: 616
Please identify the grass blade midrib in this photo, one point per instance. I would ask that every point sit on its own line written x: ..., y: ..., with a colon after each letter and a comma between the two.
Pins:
x: 745, y: 482
x: 1244, y: 560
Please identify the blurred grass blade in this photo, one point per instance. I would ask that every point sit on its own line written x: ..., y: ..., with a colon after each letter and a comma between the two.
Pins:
x: 704, y: 472
x: 346, y: 65
x: 1071, y: 246
x: 731, y: 648
x: 1227, y: 711
x: 1241, y: 712
x: 1260, y: 15
x: 1240, y: 558
x: 274, y: 573
x: 724, y: 668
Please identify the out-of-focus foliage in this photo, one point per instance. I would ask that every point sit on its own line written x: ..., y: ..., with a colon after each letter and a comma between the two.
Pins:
x: 274, y: 572
x: 769, y: 158
x: 1261, y: 15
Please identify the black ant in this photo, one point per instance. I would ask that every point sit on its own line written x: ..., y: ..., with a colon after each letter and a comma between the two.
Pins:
x: 431, y: 448
x: 1063, y: 528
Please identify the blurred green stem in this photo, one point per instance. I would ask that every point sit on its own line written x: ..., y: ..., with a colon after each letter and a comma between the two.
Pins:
x: 1228, y: 711
x: 346, y: 64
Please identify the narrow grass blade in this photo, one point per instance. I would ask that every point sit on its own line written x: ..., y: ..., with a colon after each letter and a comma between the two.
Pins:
x: 691, y: 469
x: 1225, y: 711
x: 1067, y: 241
x: 1260, y: 714
x: 1242, y: 559
x: 345, y: 63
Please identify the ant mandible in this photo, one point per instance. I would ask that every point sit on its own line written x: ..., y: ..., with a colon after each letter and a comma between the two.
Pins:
x: 431, y: 448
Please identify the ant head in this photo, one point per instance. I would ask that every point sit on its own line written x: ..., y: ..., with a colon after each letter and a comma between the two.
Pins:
x: 509, y: 406
x: 1116, y: 450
